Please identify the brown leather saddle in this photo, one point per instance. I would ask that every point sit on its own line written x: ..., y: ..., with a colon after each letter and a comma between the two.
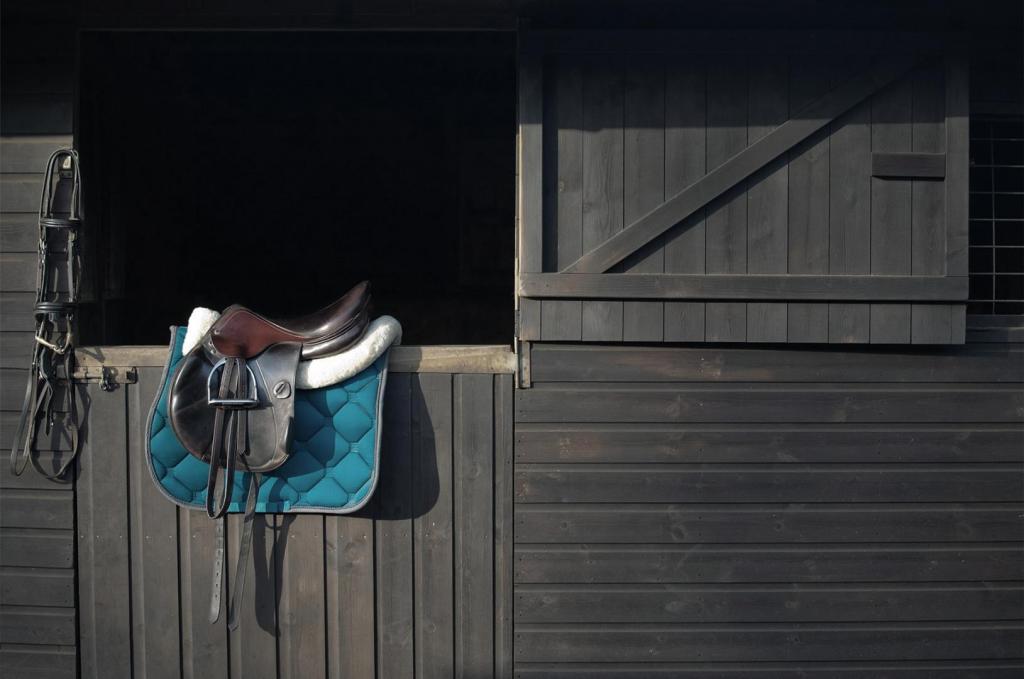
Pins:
x: 232, y: 397
x: 232, y: 402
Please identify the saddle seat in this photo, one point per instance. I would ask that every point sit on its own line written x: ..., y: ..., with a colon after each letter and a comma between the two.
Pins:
x: 242, y: 333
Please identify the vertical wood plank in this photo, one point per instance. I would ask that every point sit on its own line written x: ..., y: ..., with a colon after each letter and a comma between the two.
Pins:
x: 958, y: 324
x: 204, y: 647
x: 957, y: 144
x: 104, y: 551
x: 563, y: 155
x: 302, y: 642
x: 849, y: 323
x: 891, y: 131
x: 767, y: 195
x: 351, y: 616
x: 154, y: 523
x: 432, y: 525
x: 850, y: 213
x: 474, y: 529
x: 726, y: 225
x: 928, y: 219
x: 530, y: 167
x: 807, y: 322
x: 394, y: 535
x: 808, y: 202
x: 602, y: 180
x: 643, y: 183
x: 685, y: 163
x: 932, y: 218
x: 504, y: 557
x: 253, y: 644
x: 725, y: 322
x: 931, y: 324
x: 530, y: 162
x: 529, y: 319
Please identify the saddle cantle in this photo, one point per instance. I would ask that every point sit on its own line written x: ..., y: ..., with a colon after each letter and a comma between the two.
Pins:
x: 243, y: 332
x: 229, y: 397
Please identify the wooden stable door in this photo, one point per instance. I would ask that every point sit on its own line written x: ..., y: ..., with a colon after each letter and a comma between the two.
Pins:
x: 787, y: 187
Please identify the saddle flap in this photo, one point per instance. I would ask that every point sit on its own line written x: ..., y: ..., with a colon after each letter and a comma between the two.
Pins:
x: 268, y: 421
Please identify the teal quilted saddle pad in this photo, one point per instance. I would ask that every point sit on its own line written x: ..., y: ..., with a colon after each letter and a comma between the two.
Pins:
x: 334, y: 459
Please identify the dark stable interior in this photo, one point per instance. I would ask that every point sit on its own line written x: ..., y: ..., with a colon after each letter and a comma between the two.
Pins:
x: 276, y: 170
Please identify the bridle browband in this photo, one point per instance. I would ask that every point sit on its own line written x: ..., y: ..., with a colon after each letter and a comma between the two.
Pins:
x: 53, y: 352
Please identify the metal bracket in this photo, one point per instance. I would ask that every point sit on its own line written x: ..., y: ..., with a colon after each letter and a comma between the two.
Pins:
x: 523, y: 376
x: 107, y: 376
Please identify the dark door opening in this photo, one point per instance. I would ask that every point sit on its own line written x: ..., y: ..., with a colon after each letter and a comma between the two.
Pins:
x: 278, y: 169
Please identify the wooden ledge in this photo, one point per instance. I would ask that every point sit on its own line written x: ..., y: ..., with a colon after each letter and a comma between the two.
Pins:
x: 475, y: 358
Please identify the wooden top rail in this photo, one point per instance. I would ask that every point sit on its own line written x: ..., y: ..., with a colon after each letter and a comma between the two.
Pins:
x: 487, y: 359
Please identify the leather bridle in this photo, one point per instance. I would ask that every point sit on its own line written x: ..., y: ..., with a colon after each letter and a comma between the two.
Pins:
x: 53, y: 352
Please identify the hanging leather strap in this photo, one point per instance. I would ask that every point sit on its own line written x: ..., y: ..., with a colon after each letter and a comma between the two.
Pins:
x: 53, y: 359
x: 244, y: 551
x: 241, y: 563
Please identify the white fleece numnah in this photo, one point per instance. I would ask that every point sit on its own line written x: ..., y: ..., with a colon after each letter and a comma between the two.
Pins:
x: 381, y: 334
x: 199, y: 323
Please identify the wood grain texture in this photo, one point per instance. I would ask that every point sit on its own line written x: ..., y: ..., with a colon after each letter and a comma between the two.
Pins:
x: 563, y: 155
x: 602, y: 179
x: 643, y: 182
x: 685, y: 163
x: 751, y: 287
x: 908, y: 165
x: 647, y: 534
x: 394, y: 538
x: 473, y: 487
x: 104, y: 579
x: 432, y: 424
x: 891, y: 131
x: 372, y: 592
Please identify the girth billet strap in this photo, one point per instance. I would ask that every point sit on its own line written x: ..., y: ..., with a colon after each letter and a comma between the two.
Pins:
x: 53, y: 355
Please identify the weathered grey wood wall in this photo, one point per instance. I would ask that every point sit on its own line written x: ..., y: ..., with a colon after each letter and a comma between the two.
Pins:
x: 37, y: 578
x: 715, y: 512
x: 418, y: 584
x: 743, y: 187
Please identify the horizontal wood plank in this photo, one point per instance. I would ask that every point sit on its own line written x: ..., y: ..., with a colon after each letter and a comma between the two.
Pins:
x: 36, y: 548
x: 36, y: 509
x: 472, y: 359
x: 898, y: 669
x: 779, y: 603
x: 38, y: 661
x: 29, y: 153
x: 564, y: 363
x: 908, y: 165
x: 58, y: 439
x: 775, y: 523
x: 20, y: 191
x: 770, y: 404
x: 746, y: 642
x: 37, y: 587
x: 19, y: 232
x: 769, y: 483
x: 744, y: 287
x: 16, y: 310
x: 713, y: 563
x: 37, y: 625
x: 778, y: 444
